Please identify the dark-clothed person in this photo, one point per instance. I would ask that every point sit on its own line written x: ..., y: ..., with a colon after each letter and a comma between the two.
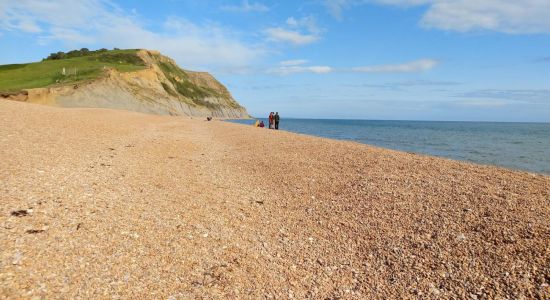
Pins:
x: 276, y: 120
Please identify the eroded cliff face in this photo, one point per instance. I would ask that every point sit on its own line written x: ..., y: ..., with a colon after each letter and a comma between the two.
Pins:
x: 161, y: 88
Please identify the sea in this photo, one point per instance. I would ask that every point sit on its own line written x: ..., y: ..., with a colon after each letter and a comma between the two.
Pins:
x: 519, y: 146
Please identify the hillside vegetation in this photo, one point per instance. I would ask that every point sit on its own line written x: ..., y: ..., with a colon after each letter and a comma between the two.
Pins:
x: 135, y: 79
x: 50, y: 71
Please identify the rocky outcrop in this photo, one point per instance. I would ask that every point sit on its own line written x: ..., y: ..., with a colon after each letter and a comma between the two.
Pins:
x: 161, y: 88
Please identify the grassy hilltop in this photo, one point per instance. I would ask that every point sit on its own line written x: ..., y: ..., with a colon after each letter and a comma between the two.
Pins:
x: 158, y: 86
x: 48, y: 72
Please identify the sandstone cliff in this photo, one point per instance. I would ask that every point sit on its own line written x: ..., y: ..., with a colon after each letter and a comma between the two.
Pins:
x: 161, y: 87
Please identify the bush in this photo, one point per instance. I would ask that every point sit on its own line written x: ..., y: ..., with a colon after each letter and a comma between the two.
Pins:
x: 75, y: 53
x: 129, y: 58
x: 58, y: 55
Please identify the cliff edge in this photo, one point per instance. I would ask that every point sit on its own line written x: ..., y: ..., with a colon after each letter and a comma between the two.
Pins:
x: 136, y: 80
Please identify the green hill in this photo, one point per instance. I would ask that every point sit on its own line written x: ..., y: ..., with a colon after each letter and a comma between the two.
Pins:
x: 139, y: 80
x: 50, y: 71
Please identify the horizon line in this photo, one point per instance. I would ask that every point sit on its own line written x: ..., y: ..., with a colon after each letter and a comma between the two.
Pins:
x: 403, y: 120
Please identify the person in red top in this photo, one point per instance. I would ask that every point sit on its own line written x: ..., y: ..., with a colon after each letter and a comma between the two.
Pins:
x: 271, y: 120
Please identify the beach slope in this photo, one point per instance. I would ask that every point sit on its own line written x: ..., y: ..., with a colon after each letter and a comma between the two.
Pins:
x: 98, y: 203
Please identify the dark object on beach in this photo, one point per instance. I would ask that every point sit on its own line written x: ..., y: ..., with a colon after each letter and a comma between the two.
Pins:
x: 208, y: 118
x: 34, y: 231
x: 19, y: 213
x: 276, y: 120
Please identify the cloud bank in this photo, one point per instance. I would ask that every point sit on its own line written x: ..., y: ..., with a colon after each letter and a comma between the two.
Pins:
x: 246, y: 6
x: 506, y: 16
x: 296, y: 31
x: 413, y: 66
x: 101, y: 23
x: 297, y: 66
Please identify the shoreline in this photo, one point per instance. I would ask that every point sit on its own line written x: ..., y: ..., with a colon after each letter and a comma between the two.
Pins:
x: 139, y: 206
x: 424, y: 152
x: 381, y: 120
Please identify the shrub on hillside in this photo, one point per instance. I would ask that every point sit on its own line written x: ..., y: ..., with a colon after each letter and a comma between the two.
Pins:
x: 75, y: 53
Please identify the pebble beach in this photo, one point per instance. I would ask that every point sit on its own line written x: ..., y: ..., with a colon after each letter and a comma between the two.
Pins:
x: 98, y: 203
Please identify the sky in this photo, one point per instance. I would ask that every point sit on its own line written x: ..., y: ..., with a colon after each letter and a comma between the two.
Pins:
x: 452, y: 60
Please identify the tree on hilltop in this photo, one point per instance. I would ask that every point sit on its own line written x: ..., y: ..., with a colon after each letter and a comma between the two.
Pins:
x: 75, y: 53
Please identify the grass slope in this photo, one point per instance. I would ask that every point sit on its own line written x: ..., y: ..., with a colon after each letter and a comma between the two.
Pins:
x: 49, y: 72
x: 186, y: 88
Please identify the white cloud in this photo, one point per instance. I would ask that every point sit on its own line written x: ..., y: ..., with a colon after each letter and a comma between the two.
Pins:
x: 67, y: 34
x: 297, y: 66
x: 61, y: 13
x: 413, y: 66
x: 425, y: 83
x: 335, y: 7
x: 405, y: 2
x: 26, y: 25
x: 283, y: 35
x: 292, y: 22
x: 295, y: 62
x: 507, y: 16
x: 246, y: 7
x: 286, y: 70
x: 309, y: 23
x: 298, y: 32
x: 99, y: 23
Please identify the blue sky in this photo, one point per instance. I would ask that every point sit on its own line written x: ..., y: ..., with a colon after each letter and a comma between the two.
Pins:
x: 483, y: 60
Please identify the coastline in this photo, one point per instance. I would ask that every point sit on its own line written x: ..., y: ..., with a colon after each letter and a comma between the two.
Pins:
x: 483, y: 143
x: 129, y: 204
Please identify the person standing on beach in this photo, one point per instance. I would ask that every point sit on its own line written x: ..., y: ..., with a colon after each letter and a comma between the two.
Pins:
x: 271, y: 120
x: 276, y: 119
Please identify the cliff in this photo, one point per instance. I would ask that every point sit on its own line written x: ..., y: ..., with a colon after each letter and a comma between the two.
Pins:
x: 150, y: 83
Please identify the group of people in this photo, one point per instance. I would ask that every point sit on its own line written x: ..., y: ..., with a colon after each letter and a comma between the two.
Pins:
x: 273, y: 121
